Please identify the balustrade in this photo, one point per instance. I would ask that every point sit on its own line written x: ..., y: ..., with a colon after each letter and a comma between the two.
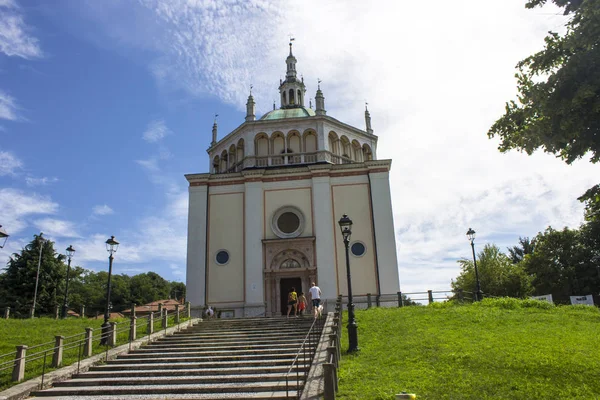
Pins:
x: 287, y: 159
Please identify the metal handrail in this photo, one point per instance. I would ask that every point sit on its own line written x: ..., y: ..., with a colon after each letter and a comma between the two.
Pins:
x: 310, y: 336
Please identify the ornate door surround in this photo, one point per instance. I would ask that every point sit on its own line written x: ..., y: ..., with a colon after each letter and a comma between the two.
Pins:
x: 287, y: 258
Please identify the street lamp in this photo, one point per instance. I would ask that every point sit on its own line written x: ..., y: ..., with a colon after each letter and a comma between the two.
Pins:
x: 3, y: 237
x: 346, y: 227
x: 70, y: 252
x: 471, y: 237
x: 111, y: 246
x: 41, y: 241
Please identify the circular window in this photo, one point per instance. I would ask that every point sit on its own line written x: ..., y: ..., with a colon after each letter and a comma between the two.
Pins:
x: 288, y: 222
x: 358, y: 249
x: 222, y: 257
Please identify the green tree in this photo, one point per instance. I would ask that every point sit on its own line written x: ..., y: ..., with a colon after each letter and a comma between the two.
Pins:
x: 498, y: 276
x: 177, y: 290
x: 17, y: 282
x: 558, y: 108
x: 518, y: 252
x: 149, y: 287
x: 561, y: 265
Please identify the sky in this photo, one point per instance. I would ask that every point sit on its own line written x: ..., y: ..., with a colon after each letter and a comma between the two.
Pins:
x: 105, y: 105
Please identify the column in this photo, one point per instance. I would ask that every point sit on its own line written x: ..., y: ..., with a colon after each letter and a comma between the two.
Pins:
x: 327, y: 278
x: 253, y: 228
x: 196, y: 248
x: 383, y: 219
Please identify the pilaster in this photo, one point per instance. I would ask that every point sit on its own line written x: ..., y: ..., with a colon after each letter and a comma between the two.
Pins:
x: 196, y: 246
x: 385, y: 234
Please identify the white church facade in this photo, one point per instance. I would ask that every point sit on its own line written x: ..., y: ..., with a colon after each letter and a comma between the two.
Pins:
x: 265, y: 218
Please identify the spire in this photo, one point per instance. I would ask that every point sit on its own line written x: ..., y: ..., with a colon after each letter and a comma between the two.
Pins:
x: 320, y: 101
x: 291, y: 65
x: 368, y: 118
x: 214, y: 132
x: 291, y: 89
x: 250, y: 109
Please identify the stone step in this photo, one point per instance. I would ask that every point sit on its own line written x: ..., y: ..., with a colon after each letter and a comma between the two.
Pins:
x: 215, y: 360
x: 186, y: 365
x: 293, y: 323
x: 210, y: 352
x: 218, y: 332
x: 177, y: 389
x: 275, y: 395
x: 175, y: 380
x: 231, y: 337
x: 126, y: 359
x: 208, y: 346
x: 237, y: 370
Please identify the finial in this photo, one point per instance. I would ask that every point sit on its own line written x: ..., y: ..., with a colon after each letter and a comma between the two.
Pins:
x: 366, y: 106
x: 291, y: 40
x: 318, y: 84
x: 302, y: 77
x: 273, y: 104
x: 216, y: 115
x: 251, y: 86
x: 310, y: 103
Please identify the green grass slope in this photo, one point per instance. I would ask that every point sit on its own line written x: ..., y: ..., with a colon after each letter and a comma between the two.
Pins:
x: 496, y: 349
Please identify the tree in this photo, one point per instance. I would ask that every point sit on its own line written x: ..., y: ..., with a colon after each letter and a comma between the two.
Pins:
x: 517, y: 253
x: 177, y: 290
x: 561, y: 265
x: 17, y: 282
x: 497, y: 274
x: 558, y: 107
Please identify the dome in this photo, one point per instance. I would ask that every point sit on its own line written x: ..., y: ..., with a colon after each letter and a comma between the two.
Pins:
x: 283, y: 113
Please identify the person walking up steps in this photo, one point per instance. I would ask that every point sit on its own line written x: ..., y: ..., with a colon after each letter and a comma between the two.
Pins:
x: 315, y: 296
x: 292, y: 301
x: 301, y: 303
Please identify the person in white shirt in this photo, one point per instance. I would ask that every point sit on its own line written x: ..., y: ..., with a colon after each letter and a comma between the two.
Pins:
x: 315, y: 295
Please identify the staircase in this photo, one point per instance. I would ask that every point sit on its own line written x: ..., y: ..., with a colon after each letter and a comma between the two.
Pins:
x: 216, y: 359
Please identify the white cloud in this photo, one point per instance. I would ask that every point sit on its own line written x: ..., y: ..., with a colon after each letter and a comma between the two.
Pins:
x: 150, y: 164
x: 155, y: 131
x: 14, y: 37
x: 102, y: 210
x: 16, y: 206
x: 8, y: 107
x: 56, y: 228
x: 9, y: 163
x: 31, y: 181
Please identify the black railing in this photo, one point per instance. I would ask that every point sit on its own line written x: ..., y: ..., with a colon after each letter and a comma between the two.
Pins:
x: 305, y: 355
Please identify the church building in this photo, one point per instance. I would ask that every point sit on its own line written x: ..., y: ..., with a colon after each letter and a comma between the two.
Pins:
x: 265, y: 218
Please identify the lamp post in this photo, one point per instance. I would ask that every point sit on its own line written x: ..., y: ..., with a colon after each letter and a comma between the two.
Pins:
x: 471, y: 237
x: 70, y: 252
x: 3, y: 237
x: 41, y: 241
x: 346, y: 228
x: 111, y: 246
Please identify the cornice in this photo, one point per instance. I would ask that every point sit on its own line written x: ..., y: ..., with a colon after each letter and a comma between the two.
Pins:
x: 303, y: 172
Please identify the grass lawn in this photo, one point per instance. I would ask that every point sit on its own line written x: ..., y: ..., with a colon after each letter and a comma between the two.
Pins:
x: 496, y: 349
x: 33, y: 332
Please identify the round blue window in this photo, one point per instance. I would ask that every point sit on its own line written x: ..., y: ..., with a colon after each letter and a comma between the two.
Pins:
x: 222, y: 257
x: 358, y: 249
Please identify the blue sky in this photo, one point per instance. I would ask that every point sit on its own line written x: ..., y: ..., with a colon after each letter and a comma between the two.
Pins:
x: 105, y: 105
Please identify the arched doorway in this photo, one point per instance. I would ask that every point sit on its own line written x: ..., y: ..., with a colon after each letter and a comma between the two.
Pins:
x: 288, y: 262
x: 285, y: 284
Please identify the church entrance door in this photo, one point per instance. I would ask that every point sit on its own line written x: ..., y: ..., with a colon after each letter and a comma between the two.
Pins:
x: 285, y: 285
